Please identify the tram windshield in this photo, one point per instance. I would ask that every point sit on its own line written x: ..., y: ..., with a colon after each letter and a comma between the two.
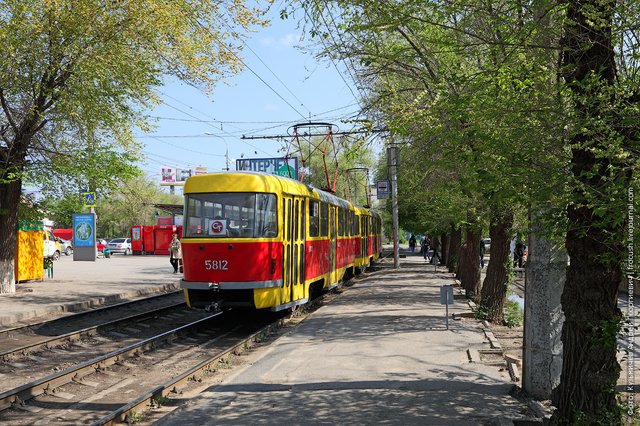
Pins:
x: 238, y: 215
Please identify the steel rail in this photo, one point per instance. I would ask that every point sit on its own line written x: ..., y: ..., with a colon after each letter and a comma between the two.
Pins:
x: 71, y: 336
x: 145, y: 401
x: 52, y: 381
x: 90, y: 311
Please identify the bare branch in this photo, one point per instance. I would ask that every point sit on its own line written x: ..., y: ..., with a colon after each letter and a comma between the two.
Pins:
x: 7, y: 111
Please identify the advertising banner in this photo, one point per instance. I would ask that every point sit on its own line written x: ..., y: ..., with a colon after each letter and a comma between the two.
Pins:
x: 168, y: 174
x: 184, y: 174
x: 84, y: 236
x: 84, y: 226
x: 287, y: 167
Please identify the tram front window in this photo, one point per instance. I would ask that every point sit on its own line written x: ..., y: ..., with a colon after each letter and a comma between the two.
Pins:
x: 238, y: 215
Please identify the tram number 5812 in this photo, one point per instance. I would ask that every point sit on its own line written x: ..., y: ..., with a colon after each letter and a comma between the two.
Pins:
x: 216, y: 265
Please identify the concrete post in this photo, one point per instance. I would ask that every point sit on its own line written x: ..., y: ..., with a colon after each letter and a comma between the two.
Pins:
x: 543, y: 316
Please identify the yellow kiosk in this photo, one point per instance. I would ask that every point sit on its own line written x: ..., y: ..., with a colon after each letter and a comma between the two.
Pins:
x: 29, y: 251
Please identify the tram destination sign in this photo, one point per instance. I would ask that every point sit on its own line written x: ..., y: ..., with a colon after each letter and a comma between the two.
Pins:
x: 287, y: 167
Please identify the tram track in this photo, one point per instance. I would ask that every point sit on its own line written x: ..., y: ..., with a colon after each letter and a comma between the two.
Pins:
x: 43, y: 355
x: 80, y: 320
x: 47, y: 343
x: 107, y: 389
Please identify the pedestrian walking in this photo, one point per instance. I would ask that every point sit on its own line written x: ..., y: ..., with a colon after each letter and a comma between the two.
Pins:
x: 425, y: 246
x: 412, y: 243
x: 175, y: 252
x: 435, y: 245
x: 483, y: 249
x: 518, y: 255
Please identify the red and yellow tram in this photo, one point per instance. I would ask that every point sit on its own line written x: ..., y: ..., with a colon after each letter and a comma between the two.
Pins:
x: 264, y: 241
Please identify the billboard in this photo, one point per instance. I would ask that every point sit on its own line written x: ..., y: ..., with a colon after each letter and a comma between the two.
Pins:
x: 168, y: 174
x: 277, y: 166
x: 171, y: 174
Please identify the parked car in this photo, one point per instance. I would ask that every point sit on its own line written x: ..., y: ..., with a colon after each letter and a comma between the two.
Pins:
x: 52, y: 248
x: 67, y: 246
x: 120, y: 245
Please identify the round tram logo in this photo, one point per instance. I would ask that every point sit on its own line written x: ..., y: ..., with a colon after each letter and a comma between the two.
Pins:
x: 217, y: 227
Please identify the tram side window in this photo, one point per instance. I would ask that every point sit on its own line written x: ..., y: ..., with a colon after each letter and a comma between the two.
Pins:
x: 266, y: 216
x: 356, y: 225
x: 340, y: 221
x: 324, y: 220
x: 314, y: 218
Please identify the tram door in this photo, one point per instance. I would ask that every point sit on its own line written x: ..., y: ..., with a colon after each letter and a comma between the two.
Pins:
x: 364, y: 231
x: 294, y: 235
x: 333, y: 241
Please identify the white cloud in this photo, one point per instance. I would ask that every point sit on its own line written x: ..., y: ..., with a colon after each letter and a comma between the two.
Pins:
x: 267, y: 41
x: 289, y: 39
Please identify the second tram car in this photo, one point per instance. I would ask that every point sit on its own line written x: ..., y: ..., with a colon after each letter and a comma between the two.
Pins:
x: 268, y: 242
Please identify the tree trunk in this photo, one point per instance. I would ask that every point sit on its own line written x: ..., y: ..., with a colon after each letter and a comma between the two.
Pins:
x: 496, y: 283
x: 10, y: 197
x: 444, y: 247
x: 595, y: 234
x: 470, y: 261
x: 455, y: 236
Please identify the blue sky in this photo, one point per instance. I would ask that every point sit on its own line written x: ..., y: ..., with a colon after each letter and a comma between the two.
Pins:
x: 196, y: 130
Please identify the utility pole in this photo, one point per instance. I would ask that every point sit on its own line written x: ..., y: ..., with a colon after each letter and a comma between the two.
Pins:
x: 392, y: 158
x: 226, y: 155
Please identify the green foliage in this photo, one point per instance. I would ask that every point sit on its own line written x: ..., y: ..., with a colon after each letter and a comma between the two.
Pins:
x: 77, y: 76
x: 604, y: 335
x: 131, y: 204
x: 604, y: 417
x: 513, y: 315
x: 481, y: 312
x: 351, y: 158
x: 160, y: 400
x: 29, y: 210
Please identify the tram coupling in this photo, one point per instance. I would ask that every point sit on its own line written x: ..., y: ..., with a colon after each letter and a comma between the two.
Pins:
x: 214, y: 307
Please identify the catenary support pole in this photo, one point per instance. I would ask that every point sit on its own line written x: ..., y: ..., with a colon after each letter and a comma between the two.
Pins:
x: 392, y: 154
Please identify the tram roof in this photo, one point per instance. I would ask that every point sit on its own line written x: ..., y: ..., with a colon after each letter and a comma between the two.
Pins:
x: 247, y: 181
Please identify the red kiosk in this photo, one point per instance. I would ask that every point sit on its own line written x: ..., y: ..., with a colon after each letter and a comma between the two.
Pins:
x: 149, y: 239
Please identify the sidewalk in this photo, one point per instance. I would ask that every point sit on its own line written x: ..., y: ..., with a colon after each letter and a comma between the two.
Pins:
x: 378, y: 354
x: 81, y: 285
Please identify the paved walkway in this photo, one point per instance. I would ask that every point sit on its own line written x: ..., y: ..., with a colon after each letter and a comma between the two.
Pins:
x: 81, y: 285
x: 378, y: 354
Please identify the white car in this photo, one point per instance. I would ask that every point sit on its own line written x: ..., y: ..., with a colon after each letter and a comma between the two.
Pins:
x: 120, y: 245
x: 67, y: 246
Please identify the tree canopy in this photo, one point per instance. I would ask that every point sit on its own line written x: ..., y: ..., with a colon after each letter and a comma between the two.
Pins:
x: 509, y: 105
x: 76, y: 78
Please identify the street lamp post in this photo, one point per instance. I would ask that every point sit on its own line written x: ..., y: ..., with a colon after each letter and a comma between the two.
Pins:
x: 226, y: 150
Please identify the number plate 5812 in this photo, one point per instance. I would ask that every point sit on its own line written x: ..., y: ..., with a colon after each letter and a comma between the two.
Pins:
x: 216, y: 265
